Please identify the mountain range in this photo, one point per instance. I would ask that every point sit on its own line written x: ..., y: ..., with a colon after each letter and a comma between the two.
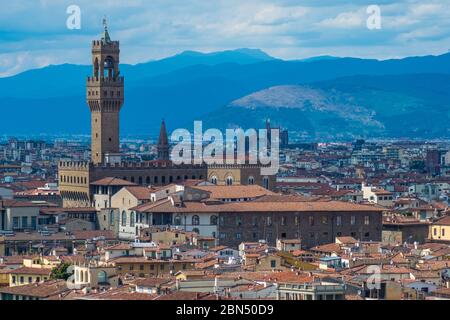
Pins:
x: 321, y: 97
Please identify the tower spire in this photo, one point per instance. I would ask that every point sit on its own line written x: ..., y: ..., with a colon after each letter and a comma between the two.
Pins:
x: 163, y: 143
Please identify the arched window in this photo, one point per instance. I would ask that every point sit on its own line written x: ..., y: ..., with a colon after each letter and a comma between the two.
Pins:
x: 229, y: 181
x: 102, y: 277
x: 177, y: 220
x: 124, y: 218
x: 109, y: 67
x: 213, y: 220
x: 147, y: 180
x: 251, y: 180
x: 132, y: 218
x: 195, y: 220
x: 140, y: 180
x: 214, y: 179
x: 196, y: 230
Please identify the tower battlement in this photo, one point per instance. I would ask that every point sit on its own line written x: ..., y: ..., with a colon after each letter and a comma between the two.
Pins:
x: 101, y: 45
x: 105, y: 81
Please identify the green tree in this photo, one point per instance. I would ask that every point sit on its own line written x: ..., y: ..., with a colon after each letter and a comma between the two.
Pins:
x: 60, y: 272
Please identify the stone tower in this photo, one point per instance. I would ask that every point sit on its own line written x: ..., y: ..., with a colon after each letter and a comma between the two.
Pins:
x: 105, y: 97
x: 163, y: 143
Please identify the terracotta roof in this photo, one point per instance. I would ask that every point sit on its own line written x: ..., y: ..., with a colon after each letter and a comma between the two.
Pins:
x: 89, y: 234
x: 282, y: 276
x: 111, y: 181
x: 144, y: 260
x: 347, y: 240
x: 329, y: 248
x: 32, y: 271
x: 235, y: 191
x: 39, y: 290
x: 183, y: 295
x: 151, y: 282
x: 119, y: 246
x: 254, y: 206
x: 141, y: 193
x: 445, y: 221
x: 8, y: 203
x: 121, y: 293
x: 57, y: 210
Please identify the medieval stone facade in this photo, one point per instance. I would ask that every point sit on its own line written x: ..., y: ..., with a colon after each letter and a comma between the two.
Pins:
x: 105, y: 97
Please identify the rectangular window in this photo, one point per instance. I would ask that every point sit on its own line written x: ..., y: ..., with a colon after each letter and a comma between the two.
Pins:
x: 15, y: 222
x: 339, y: 221
x: 311, y: 220
x: 352, y: 220
x: 238, y: 236
x: 366, y: 220
x: 435, y: 231
x: 24, y: 222
x: 324, y: 220
x: 273, y: 263
x: 283, y: 221
x: 238, y: 221
x: 269, y: 221
x: 222, y: 235
x: 297, y: 220
x: 33, y: 223
x: 443, y: 231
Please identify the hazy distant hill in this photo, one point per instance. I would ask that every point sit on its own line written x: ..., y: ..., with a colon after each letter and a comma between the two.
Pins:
x: 192, y: 85
x: 415, y: 105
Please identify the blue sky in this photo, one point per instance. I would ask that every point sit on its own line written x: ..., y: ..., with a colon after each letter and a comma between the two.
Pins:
x: 33, y: 33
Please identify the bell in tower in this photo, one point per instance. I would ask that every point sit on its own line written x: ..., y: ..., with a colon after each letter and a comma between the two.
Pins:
x: 105, y: 97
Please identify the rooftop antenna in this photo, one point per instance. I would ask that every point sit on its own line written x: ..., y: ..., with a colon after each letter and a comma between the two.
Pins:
x: 106, y: 37
x: 105, y: 23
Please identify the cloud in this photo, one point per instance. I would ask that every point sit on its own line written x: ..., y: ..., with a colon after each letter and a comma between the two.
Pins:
x: 344, y: 20
x: 34, y: 33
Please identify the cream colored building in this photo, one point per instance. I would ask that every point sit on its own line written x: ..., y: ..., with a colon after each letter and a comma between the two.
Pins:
x: 440, y: 230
